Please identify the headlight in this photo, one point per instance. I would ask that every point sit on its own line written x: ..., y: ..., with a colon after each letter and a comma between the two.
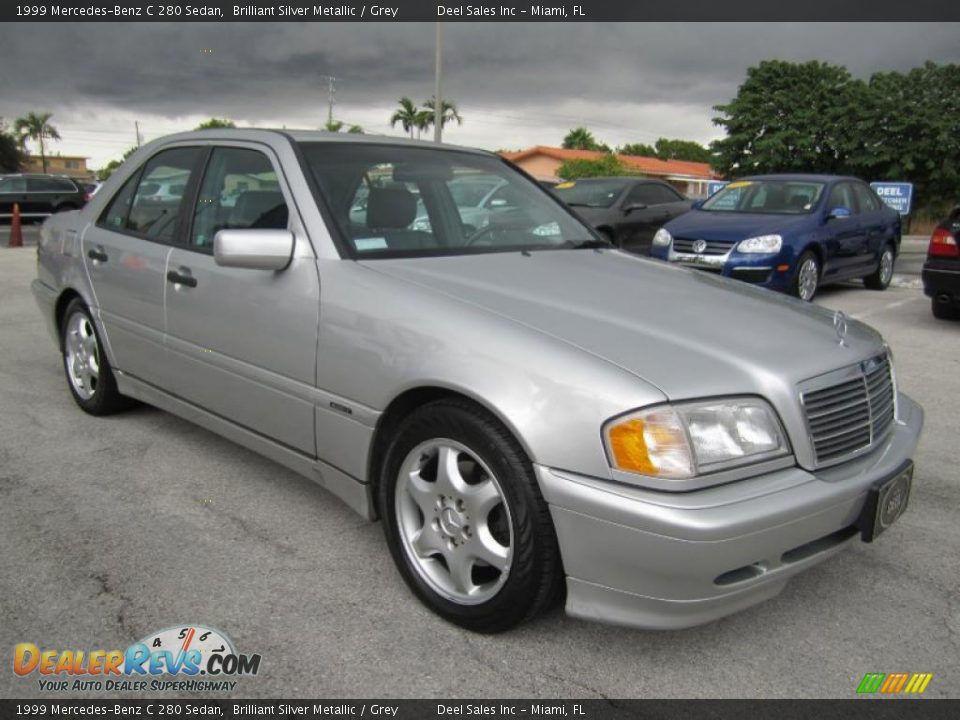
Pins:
x: 663, y: 237
x: 677, y: 442
x: 761, y: 244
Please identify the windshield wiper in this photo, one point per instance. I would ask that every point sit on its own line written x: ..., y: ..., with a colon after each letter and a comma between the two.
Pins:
x: 591, y: 244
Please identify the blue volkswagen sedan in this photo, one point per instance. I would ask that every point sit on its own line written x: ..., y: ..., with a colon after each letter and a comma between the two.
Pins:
x: 791, y: 233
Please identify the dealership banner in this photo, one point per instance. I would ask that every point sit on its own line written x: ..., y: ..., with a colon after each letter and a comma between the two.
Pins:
x: 487, y: 709
x: 501, y: 11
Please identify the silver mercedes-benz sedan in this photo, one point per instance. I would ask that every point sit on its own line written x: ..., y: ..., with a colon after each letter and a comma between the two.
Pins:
x: 530, y: 412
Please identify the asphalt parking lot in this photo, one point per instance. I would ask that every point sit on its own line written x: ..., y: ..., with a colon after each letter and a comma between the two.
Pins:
x: 118, y: 527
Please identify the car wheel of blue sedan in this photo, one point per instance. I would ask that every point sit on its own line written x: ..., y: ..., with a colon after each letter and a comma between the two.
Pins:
x: 465, y: 521
x: 881, y: 277
x: 808, y: 277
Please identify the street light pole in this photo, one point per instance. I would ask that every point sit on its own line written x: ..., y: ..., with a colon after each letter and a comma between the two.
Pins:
x: 437, y: 101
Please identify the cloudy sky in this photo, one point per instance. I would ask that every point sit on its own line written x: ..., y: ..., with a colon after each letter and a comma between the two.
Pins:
x: 516, y: 84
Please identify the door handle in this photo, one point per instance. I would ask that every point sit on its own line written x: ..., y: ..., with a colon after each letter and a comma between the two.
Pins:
x: 179, y: 279
x: 97, y: 254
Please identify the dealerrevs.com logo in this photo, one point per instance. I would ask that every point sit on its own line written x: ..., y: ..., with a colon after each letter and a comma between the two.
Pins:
x: 197, y: 658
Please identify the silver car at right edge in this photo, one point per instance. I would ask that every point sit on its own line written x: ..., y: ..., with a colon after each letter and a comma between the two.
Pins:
x: 532, y: 414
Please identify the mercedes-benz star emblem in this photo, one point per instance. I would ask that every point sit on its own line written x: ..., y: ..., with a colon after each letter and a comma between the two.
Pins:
x: 840, y: 325
x: 699, y: 246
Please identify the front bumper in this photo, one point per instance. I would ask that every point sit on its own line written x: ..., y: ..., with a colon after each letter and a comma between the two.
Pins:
x: 772, y: 271
x: 671, y: 560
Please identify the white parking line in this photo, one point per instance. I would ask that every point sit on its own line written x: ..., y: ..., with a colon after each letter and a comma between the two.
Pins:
x: 891, y: 306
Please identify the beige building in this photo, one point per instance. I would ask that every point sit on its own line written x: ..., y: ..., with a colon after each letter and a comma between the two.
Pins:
x: 69, y: 165
x: 690, y: 178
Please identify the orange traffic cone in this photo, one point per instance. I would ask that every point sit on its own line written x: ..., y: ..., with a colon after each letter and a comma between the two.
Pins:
x: 16, y: 234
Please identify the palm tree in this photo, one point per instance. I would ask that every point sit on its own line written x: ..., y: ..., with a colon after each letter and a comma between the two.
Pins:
x: 448, y: 113
x: 34, y: 126
x: 580, y: 139
x: 333, y: 126
x: 406, y: 115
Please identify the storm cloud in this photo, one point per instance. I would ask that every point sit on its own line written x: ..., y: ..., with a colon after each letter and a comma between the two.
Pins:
x: 515, y: 84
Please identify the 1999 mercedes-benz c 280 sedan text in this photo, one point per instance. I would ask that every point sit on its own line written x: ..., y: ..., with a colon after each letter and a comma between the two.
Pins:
x: 530, y: 412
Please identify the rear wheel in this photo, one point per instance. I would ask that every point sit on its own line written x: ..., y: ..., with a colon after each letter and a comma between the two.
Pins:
x: 881, y: 277
x: 88, y: 371
x: 807, y: 280
x: 465, y: 521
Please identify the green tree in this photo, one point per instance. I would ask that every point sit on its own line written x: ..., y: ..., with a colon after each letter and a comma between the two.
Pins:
x: 36, y: 127
x: 667, y: 149
x: 333, y: 126
x: 12, y: 157
x: 406, y: 115
x: 356, y: 130
x: 601, y: 167
x: 111, y: 167
x: 638, y: 150
x: 579, y: 138
x: 215, y: 124
x: 907, y: 127
x: 789, y: 117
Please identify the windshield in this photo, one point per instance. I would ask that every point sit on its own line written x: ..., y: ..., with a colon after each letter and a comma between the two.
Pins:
x: 779, y: 197
x: 590, y: 193
x: 400, y: 201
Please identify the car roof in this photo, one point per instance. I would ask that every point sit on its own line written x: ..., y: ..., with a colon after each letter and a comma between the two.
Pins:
x: 619, y: 178
x: 312, y: 136
x: 801, y: 177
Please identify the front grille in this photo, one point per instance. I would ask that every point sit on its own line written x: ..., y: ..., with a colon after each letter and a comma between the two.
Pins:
x: 851, y: 415
x: 714, y: 247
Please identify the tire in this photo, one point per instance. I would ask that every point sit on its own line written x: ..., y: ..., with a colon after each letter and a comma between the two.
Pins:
x: 807, y: 280
x: 89, y: 375
x: 944, y: 311
x: 475, y: 544
x: 881, y: 277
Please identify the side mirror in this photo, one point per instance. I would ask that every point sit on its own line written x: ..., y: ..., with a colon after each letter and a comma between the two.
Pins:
x: 838, y: 213
x: 627, y: 209
x: 253, y: 249
x: 697, y: 204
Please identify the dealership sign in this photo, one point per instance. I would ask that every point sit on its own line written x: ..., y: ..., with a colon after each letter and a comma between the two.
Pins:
x: 897, y: 195
x: 715, y: 186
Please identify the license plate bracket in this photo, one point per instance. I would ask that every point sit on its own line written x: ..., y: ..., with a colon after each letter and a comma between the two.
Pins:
x: 886, y: 502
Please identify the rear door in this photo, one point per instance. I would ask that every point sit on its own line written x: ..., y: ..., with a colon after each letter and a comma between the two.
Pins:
x: 126, y: 256
x: 242, y: 343
x: 875, y: 223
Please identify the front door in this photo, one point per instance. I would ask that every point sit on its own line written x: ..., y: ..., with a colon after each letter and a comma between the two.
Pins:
x: 844, y: 238
x: 242, y: 343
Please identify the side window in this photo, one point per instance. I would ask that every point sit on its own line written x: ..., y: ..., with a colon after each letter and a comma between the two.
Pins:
x: 43, y: 185
x: 115, y: 216
x: 651, y: 194
x: 158, y: 200
x: 867, y: 198
x: 842, y: 196
x: 13, y: 184
x: 239, y: 191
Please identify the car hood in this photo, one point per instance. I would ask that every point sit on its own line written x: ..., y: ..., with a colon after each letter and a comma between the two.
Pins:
x: 688, y: 333
x: 732, y: 226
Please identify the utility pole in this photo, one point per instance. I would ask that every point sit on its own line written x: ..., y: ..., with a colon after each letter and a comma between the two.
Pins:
x: 437, y: 100
x: 331, y: 93
x: 136, y: 127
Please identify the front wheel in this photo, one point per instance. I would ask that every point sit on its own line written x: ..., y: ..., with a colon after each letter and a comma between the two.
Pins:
x: 807, y: 280
x: 465, y: 521
x: 89, y: 375
x: 881, y: 277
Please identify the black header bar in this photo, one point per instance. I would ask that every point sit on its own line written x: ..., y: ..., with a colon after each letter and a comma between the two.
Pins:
x: 864, y: 11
